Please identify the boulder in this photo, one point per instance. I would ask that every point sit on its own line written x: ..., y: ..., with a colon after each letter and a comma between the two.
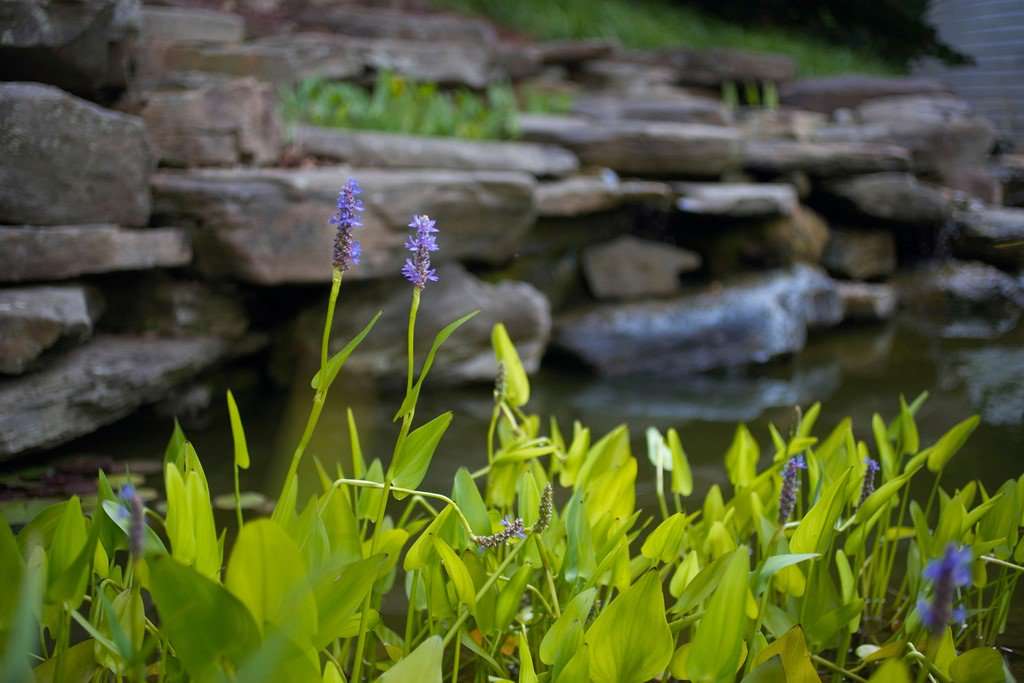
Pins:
x: 396, y: 24
x: 631, y: 268
x: 94, y: 385
x: 990, y: 234
x: 391, y: 150
x: 941, y: 132
x: 669, y: 109
x: 894, y: 197
x: 269, y: 226
x: 750, y: 320
x: 221, y: 122
x: 640, y: 147
x: 860, y: 254
x: 64, y: 160
x: 67, y: 251
x: 865, y: 302
x: 32, y: 319
x: 830, y: 93
x: 961, y: 299
x: 799, y: 237
x: 166, y: 307
x: 83, y: 46
x: 736, y: 200
x: 823, y: 158
x: 592, y: 194
x: 466, y: 356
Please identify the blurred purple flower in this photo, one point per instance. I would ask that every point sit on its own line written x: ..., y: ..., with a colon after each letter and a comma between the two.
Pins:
x: 868, y: 487
x: 417, y: 269
x: 790, y: 486
x: 346, y: 219
x: 947, y: 573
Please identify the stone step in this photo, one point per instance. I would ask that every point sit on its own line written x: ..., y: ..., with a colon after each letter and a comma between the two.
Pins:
x: 467, y: 356
x: 30, y: 253
x: 64, y: 160
x: 750, y: 320
x: 392, y: 150
x: 895, y: 197
x: 269, y: 226
x: 631, y: 268
x: 379, y: 22
x: 991, y: 234
x: 639, y: 147
x: 583, y: 195
x: 33, y: 319
x: 823, y: 158
x: 95, y: 385
x: 830, y: 93
x: 736, y: 200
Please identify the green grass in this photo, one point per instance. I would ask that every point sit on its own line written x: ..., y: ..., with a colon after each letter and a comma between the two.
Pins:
x: 659, y: 23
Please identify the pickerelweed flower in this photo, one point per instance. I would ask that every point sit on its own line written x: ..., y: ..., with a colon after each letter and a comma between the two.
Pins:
x: 136, y: 514
x: 346, y: 219
x: 513, y: 529
x: 790, y: 486
x: 947, y: 573
x: 868, y: 487
x: 547, y: 508
x: 417, y: 269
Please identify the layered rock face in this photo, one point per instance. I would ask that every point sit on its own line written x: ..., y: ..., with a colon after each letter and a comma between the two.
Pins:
x: 158, y: 219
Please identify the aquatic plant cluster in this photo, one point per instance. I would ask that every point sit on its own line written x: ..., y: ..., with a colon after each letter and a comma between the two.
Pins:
x: 815, y: 560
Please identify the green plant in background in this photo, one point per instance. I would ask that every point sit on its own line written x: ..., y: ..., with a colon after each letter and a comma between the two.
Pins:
x: 537, y: 565
x: 398, y: 105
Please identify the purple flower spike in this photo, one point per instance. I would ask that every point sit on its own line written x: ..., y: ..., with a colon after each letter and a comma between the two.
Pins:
x: 346, y: 219
x: 868, y: 487
x: 947, y: 573
x: 417, y: 269
x: 790, y: 486
x: 136, y: 513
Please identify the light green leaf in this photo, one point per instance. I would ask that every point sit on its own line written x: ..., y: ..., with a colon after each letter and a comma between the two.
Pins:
x: 19, y: 639
x: 816, y: 529
x: 410, y: 467
x: 777, y: 563
x: 457, y: 572
x: 630, y: 641
x: 238, y: 434
x: 340, y: 588
x: 893, y: 671
x: 564, y: 637
x: 980, y: 665
x: 335, y: 362
x: 423, y: 665
x: 791, y: 649
x: 526, y: 672
x: 718, y: 642
x: 267, y: 572
x: 950, y: 442
x: 517, y: 385
x: 467, y: 496
x: 666, y: 541
x: 682, y: 477
x: 741, y: 458
x: 358, y: 464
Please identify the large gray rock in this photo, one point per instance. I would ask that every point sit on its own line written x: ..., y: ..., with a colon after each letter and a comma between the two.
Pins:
x: 165, y: 307
x: 941, y: 132
x: 32, y: 319
x: 631, y: 268
x: 64, y: 160
x: 640, y: 147
x: 866, y: 302
x: 582, y: 195
x: 270, y: 226
x: 747, y: 321
x: 61, y: 252
x: 467, y: 356
x: 221, y: 122
x: 84, y: 46
x: 958, y: 299
x: 823, y: 158
x: 95, y: 385
x: 391, y: 150
x: 670, y: 109
x: 994, y: 235
x: 849, y: 91
x: 895, y: 197
x: 378, y: 22
x: 860, y: 254
x: 798, y: 237
x: 736, y: 200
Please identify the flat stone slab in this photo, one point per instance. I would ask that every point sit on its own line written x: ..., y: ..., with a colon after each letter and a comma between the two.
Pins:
x: 640, y: 147
x: 95, y: 385
x: 467, y: 356
x: 994, y: 235
x: 895, y: 197
x: 65, y: 251
x: 678, y: 109
x: 860, y: 254
x: 269, y: 226
x: 866, y: 302
x: 632, y: 268
x: 736, y: 200
x: 823, y: 158
x: 189, y: 24
x: 747, y: 321
x: 391, y: 150
x: 592, y: 194
x: 378, y: 22
x: 219, y: 122
x: 837, y: 92
x: 32, y: 319
x: 64, y: 160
